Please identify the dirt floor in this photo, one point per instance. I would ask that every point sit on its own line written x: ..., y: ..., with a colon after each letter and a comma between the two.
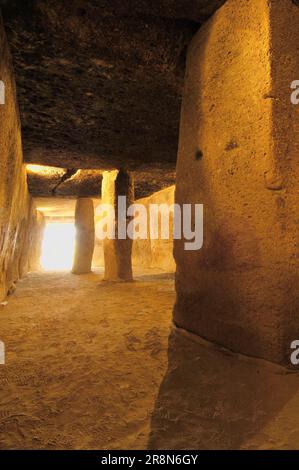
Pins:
x: 94, y: 365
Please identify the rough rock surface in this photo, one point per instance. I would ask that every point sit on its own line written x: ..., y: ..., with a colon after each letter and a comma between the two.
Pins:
x: 60, y: 182
x: 149, y: 182
x: 15, y: 205
x: 156, y: 253
x: 100, y: 82
x: 240, y: 289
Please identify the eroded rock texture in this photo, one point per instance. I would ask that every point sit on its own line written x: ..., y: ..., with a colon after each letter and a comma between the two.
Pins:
x: 15, y: 205
x: 99, y: 82
x: 66, y: 183
x: 60, y: 182
x: 240, y: 289
x: 156, y: 252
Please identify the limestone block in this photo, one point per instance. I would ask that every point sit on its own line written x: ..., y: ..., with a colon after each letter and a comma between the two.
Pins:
x: 14, y: 196
x: 238, y: 155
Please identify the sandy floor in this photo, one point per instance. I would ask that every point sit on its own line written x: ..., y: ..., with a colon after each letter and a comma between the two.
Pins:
x: 91, y: 365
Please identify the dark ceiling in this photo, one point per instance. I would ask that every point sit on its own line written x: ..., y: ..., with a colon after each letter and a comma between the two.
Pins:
x: 100, y: 81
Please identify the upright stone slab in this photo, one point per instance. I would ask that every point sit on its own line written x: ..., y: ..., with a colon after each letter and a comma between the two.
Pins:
x: 238, y: 155
x: 36, y: 228
x: 117, y: 252
x: 85, y: 235
x: 14, y: 196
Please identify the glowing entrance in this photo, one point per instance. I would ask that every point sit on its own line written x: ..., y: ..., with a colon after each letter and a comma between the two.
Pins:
x: 58, y: 246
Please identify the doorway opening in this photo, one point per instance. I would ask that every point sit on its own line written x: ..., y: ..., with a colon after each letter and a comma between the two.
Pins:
x: 58, y: 246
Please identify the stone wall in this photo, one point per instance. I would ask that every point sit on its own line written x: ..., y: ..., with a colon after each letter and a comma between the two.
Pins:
x: 238, y: 156
x: 156, y: 253
x: 14, y: 197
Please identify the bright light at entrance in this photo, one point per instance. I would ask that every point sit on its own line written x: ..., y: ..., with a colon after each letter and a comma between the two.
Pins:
x: 58, y: 246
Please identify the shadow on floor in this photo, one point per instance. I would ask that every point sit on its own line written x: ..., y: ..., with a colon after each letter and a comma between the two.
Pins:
x: 212, y: 400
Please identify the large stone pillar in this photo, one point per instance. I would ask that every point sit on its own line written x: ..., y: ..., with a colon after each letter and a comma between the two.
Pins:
x: 238, y: 155
x: 85, y: 235
x: 118, y: 251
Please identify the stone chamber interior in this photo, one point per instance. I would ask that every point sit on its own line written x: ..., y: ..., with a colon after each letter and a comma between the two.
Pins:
x: 142, y: 344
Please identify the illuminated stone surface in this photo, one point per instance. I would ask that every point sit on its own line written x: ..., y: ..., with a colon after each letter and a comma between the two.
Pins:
x: 240, y: 290
x: 85, y: 235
